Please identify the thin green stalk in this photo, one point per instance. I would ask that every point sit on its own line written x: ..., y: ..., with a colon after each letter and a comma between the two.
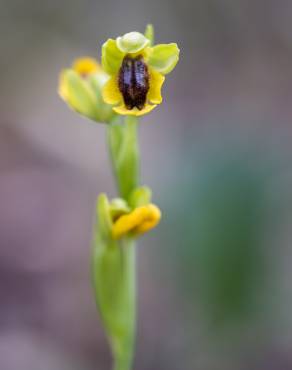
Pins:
x: 113, y: 270
x: 124, y: 152
x: 123, y: 355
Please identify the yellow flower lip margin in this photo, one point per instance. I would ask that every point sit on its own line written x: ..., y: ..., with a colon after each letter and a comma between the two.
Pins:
x: 160, y: 60
x: 80, y: 86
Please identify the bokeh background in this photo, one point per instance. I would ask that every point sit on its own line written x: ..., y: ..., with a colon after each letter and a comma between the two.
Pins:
x: 215, y: 286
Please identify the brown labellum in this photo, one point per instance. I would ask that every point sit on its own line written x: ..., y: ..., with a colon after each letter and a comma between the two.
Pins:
x: 133, y: 82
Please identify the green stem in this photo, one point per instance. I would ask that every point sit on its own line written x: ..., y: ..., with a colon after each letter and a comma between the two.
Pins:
x: 123, y: 355
x: 124, y: 150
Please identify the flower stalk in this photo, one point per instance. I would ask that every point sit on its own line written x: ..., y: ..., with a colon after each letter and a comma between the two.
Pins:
x: 114, y: 261
x: 124, y: 153
x: 114, y: 279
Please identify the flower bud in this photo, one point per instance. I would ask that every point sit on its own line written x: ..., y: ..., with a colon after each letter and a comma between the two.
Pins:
x: 81, y: 88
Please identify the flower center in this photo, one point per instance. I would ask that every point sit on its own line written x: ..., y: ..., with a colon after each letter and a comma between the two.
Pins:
x: 134, y: 82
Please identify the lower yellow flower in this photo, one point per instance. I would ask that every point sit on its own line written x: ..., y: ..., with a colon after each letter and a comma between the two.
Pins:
x: 139, y: 221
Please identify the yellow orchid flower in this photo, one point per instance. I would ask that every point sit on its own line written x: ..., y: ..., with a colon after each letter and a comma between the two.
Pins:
x: 120, y: 218
x: 136, y: 72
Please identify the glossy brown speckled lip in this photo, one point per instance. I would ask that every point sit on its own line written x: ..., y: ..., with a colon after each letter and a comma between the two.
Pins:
x: 133, y: 82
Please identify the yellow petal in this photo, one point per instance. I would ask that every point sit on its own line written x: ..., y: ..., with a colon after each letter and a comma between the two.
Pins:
x: 134, y: 112
x: 85, y: 66
x: 128, y: 222
x: 156, y: 82
x: 139, y: 221
x: 152, y: 219
x: 110, y: 92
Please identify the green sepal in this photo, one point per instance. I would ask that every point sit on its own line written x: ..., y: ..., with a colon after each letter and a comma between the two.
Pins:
x: 164, y: 57
x: 149, y: 33
x: 118, y: 207
x: 140, y: 197
x: 111, y: 57
x: 132, y: 42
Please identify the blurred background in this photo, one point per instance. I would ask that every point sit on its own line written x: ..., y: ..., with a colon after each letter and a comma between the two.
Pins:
x: 215, y: 286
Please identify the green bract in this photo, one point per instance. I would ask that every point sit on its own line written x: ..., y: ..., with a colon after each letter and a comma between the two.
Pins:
x: 104, y: 217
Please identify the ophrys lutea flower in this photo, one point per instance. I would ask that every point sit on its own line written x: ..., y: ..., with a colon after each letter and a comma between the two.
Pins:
x: 137, y: 71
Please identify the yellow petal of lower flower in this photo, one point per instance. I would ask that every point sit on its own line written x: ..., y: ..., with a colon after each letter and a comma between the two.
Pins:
x: 110, y: 91
x: 128, y: 222
x: 86, y: 65
x: 156, y: 82
x: 153, y: 218
x: 139, y: 221
x: 134, y: 112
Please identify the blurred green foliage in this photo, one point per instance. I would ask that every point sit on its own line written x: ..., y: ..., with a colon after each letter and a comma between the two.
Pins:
x: 216, y: 238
